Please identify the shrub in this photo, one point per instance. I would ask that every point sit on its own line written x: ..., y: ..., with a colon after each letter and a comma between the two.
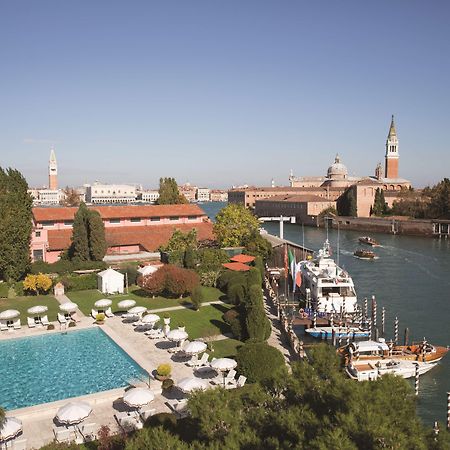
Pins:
x: 18, y: 288
x: 165, y: 420
x: 154, y: 284
x: 254, y: 277
x: 131, y: 274
x: 4, y: 288
x: 79, y: 282
x: 259, y: 361
x: 100, y: 317
x: 37, y: 284
x: 65, y: 266
x: 259, y: 264
x: 167, y: 384
x: 197, y: 297
x: 257, y: 324
x: 72, y: 324
x: 164, y: 370
x: 50, y: 327
x: 189, y: 259
x: 233, y: 318
x: 236, y: 294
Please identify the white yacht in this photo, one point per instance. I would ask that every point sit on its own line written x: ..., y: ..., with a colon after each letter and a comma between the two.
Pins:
x: 327, y: 287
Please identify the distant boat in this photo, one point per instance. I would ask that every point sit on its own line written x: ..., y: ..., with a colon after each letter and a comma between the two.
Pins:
x: 364, y: 254
x: 340, y: 332
x: 369, y: 241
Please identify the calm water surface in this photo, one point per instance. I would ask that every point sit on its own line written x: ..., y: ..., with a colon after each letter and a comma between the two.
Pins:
x: 411, y: 279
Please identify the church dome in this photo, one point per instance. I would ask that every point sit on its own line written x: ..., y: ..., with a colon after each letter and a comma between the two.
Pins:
x: 337, y: 170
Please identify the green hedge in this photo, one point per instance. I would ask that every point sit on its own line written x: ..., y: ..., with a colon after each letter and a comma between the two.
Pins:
x: 4, y: 288
x: 64, y: 266
x: 79, y: 282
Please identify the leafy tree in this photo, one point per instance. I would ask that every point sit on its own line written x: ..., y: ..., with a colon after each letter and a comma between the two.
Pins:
x: 257, y: 323
x: 71, y: 197
x: 259, y: 264
x: 235, y: 225
x: 346, y: 203
x: 155, y: 283
x: 236, y: 293
x: 210, y: 265
x: 180, y: 242
x: 440, y: 200
x: 155, y: 438
x: 189, y: 259
x: 15, y: 225
x: 79, y: 249
x: 379, y: 207
x: 257, y: 245
x: 254, y: 277
x: 96, y: 234
x: 233, y: 317
x: 259, y: 361
x: 197, y: 297
x: 169, y: 193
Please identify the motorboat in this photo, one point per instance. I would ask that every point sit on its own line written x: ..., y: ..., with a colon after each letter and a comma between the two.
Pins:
x: 372, y: 370
x: 364, y: 254
x: 339, y: 332
x: 376, y: 350
x: 326, y: 287
x: 369, y: 241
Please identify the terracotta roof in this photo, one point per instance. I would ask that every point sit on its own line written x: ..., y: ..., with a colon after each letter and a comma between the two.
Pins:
x: 236, y: 266
x: 119, y: 212
x: 150, y: 237
x: 242, y: 258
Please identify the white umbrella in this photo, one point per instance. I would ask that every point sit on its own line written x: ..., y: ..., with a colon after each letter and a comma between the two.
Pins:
x: 125, y: 304
x: 177, y: 335
x: 192, y: 384
x: 68, y: 307
x: 73, y: 412
x: 11, y: 428
x: 150, y: 318
x: 195, y: 347
x: 223, y: 365
x: 138, y: 397
x: 137, y: 310
x: 103, y: 303
x: 9, y: 314
x: 38, y: 309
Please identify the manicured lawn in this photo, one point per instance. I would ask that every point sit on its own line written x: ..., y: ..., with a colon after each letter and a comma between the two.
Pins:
x: 226, y: 348
x: 86, y: 299
x: 205, y: 322
x: 23, y: 303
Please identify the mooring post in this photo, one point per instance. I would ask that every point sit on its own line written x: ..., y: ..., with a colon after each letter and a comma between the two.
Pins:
x: 365, y: 309
x: 405, y: 342
x: 436, y: 428
x: 416, y: 379
x: 374, y: 311
x: 315, y: 319
x: 448, y: 410
x: 376, y: 334
x: 383, y: 317
x: 333, y: 337
x: 332, y: 320
x: 396, y: 331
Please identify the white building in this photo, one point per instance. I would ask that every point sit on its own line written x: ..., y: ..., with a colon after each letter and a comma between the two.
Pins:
x: 46, y: 196
x: 149, y: 196
x: 202, y: 194
x: 110, y: 193
x: 110, y: 281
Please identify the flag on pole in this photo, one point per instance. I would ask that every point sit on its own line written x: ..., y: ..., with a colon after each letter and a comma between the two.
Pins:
x: 292, y: 265
x: 285, y: 261
x: 298, y: 275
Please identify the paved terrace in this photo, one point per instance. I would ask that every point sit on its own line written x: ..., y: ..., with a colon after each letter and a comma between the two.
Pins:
x: 38, y: 420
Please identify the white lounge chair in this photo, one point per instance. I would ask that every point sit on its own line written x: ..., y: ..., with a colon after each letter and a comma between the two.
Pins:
x: 193, y: 361
x: 241, y: 381
x: 94, y: 313
x: 179, y: 407
x: 154, y: 334
x: 17, y: 325
x: 127, y: 422
x: 109, y: 313
x: 20, y: 444
x: 31, y: 322
x: 145, y: 413
x: 74, y: 317
x: 44, y: 320
x: 230, y: 376
x: 3, y: 325
x: 61, y: 318
x: 89, y: 431
x: 63, y: 435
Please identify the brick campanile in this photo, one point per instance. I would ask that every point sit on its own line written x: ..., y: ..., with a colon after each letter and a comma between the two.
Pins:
x: 391, y: 158
x: 52, y: 171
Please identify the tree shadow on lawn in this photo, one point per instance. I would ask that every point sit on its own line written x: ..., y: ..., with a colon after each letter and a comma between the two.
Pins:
x: 144, y: 294
x: 222, y: 308
x: 222, y: 326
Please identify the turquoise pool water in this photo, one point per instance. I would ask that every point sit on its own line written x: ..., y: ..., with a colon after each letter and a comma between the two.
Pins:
x: 52, y: 367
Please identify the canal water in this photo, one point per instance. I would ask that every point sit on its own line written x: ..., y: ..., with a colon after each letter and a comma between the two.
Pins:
x: 411, y: 279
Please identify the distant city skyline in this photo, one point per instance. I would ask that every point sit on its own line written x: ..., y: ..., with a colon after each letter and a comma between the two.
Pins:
x: 223, y: 94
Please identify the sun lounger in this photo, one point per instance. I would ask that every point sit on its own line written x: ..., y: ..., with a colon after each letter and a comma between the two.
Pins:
x: 3, y: 325
x: 145, y: 413
x: 230, y: 376
x: 44, y: 320
x: 127, y: 422
x: 203, y: 361
x: 241, y: 381
x: 64, y: 435
x: 154, y: 334
x: 94, y: 313
x: 74, y: 317
x: 179, y: 407
x: 109, y: 313
x: 61, y: 318
x: 31, y: 322
x: 89, y: 431
x: 17, y: 325
x: 20, y: 444
x: 193, y: 361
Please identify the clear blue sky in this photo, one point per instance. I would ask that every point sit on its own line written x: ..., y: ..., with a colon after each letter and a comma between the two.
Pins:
x: 222, y: 92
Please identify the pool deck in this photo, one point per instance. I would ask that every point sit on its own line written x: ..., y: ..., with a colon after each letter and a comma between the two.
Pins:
x: 38, y: 420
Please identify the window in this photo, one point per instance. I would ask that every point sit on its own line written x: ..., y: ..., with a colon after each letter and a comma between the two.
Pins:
x: 37, y: 234
x: 155, y: 219
x: 174, y: 218
x: 38, y: 255
x: 192, y: 217
x: 68, y: 223
x: 114, y: 220
x: 135, y: 219
x: 48, y: 223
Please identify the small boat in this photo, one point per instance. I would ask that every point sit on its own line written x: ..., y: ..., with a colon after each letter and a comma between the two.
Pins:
x: 376, y: 350
x: 369, y: 241
x: 364, y: 254
x: 371, y: 370
x: 340, y: 332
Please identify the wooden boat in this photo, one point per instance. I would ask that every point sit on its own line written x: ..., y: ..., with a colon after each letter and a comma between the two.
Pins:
x: 369, y: 241
x: 340, y: 332
x: 364, y: 254
x: 371, y: 370
x: 376, y: 350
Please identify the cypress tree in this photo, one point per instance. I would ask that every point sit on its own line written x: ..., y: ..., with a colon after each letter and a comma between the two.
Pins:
x: 96, y: 236
x: 80, y: 236
x: 15, y: 225
x: 168, y: 192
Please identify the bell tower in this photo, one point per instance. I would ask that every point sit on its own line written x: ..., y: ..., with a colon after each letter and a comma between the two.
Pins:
x: 52, y: 171
x: 391, y: 158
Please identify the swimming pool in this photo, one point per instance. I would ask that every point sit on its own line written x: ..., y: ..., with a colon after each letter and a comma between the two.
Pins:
x: 50, y: 367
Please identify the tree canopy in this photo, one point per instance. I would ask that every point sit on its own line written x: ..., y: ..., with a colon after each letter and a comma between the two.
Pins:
x: 235, y: 225
x: 169, y: 193
x: 15, y: 225
x: 379, y: 207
